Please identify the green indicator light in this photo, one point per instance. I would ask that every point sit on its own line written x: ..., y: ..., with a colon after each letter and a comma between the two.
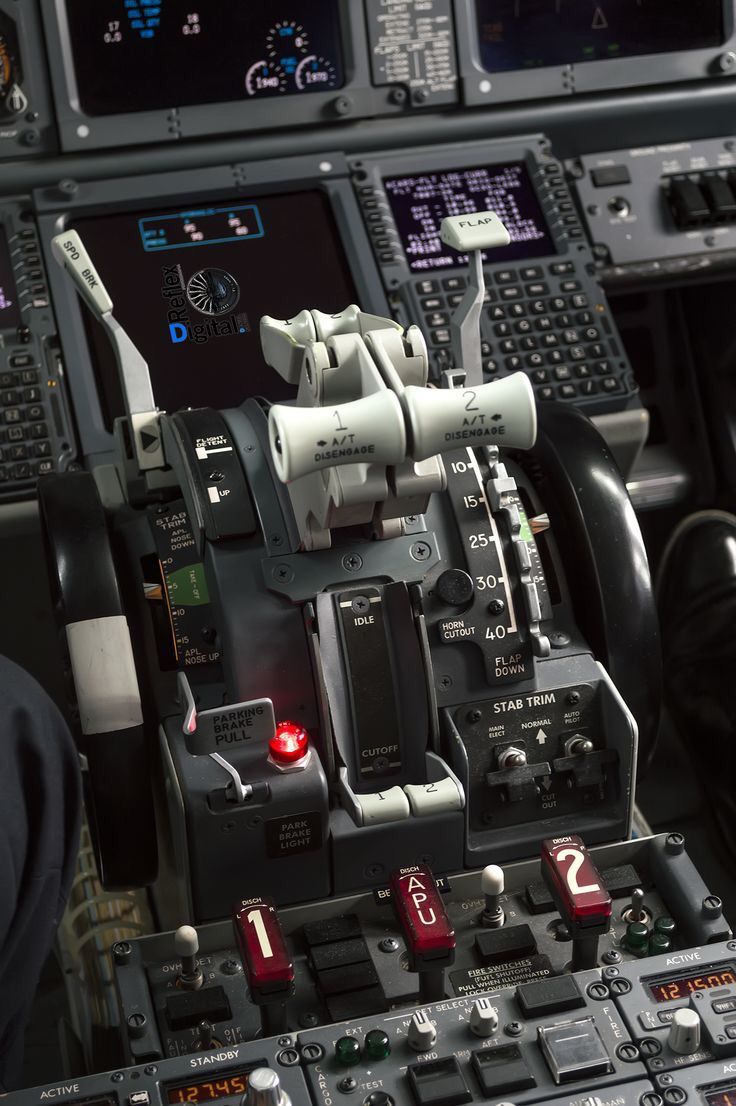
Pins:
x: 665, y: 925
x: 377, y: 1045
x: 659, y: 942
x: 637, y: 938
x: 347, y: 1051
x: 525, y: 532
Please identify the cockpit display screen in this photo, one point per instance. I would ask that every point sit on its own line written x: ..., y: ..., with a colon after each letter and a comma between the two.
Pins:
x: 190, y: 284
x: 530, y: 34
x: 139, y: 55
x: 419, y: 203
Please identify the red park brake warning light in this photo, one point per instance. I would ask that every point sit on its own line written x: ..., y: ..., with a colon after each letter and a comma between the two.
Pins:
x: 289, y: 744
x: 427, y: 929
x: 266, y: 960
x: 575, y: 882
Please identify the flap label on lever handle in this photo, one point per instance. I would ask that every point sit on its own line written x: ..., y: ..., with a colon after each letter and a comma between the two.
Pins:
x: 575, y: 882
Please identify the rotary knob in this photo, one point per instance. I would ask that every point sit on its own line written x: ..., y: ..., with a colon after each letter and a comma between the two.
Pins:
x: 422, y: 1034
x: 684, y: 1036
x: 264, y: 1089
x: 483, y: 1018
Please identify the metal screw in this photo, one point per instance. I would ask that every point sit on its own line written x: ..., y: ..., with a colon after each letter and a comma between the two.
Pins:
x: 598, y: 991
x: 665, y: 1080
x: 610, y: 973
x: 231, y: 966
x: 397, y: 96
x: 388, y: 944
x: 473, y: 716
x: 656, y: 1063
x: 444, y: 683
x: 284, y: 1042
x: 312, y: 1052
x: 559, y: 639
x: 611, y: 957
x: 712, y: 906
x: 514, y: 1029
x: 620, y: 986
x: 150, y: 1070
x: 283, y: 573
x: 627, y: 1052
x: 496, y: 606
x: 117, y: 1077
x: 411, y: 519
x: 573, y: 697
x: 420, y: 551
x: 352, y: 562
x: 348, y: 1084
x: 288, y: 1057
x: 136, y: 1024
x: 343, y: 105
x: 121, y: 950
x: 361, y: 604
x: 308, y: 1020
x: 675, y: 843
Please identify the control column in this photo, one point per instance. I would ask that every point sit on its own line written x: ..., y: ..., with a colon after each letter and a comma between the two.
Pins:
x: 577, y: 889
x: 428, y: 932
x: 268, y: 966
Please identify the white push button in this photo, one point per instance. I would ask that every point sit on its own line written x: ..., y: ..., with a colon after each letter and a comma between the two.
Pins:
x: 430, y: 798
x: 367, y: 431
x: 498, y: 414
x: 384, y: 806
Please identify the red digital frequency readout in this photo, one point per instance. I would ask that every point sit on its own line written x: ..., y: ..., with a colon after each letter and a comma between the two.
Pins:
x: 678, y: 987
x: 209, y: 1090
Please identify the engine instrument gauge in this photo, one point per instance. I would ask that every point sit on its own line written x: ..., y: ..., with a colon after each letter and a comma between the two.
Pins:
x: 6, y: 65
x: 286, y: 38
x: 263, y: 76
x: 315, y: 72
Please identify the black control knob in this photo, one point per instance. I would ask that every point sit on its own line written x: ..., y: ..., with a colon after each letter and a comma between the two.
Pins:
x: 454, y: 587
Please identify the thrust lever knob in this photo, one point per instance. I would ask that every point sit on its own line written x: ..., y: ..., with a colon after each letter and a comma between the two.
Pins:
x: 684, y: 1036
x: 370, y: 430
x: 503, y: 413
x: 264, y: 1089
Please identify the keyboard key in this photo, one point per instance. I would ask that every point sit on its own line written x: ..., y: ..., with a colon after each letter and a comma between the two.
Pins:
x: 580, y: 300
x: 11, y: 398
x: 432, y: 303
x: 528, y: 342
x: 531, y: 272
x: 29, y: 376
x: 21, y: 360
x: 571, y: 337
x: 557, y: 303
x: 454, y: 298
x: 538, y: 307
x: 508, y: 345
x: 45, y: 467
x: 540, y: 376
x: 7, y: 380
x: 602, y: 368
x: 21, y: 471
x: 485, y: 349
x: 513, y: 364
x: 18, y: 452
x: 523, y: 326
x: 35, y: 413
x: 562, y: 373
x: 441, y: 337
x: 544, y: 323
x: 16, y: 433
x: 502, y: 330
x: 511, y: 292
x: 564, y: 319
x: 426, y: 287
x: 555, y: 357
x: 11, y: 415
x: 569, y: 220
x: 583, y: 318
x: 31, y: 395
x: 611, y: 384
x: 496, y: 312
x: 588, y: 387
x: 534, y: 361
x: 539, y: 288
x: 550, y: 340
x: 490, y: 366
x: 546, y: 392
x: 582, y: 371
x: 568, y: 391
x: 42, y: 449
x: 597, y: 350
x: 506, y: 276
x: 453, y: 283
x: 577, y: 353
x: 560, y: 268
x: 591, y: 334
x: 38, y: 430
x: 517, y: 310
x: 437, y: 318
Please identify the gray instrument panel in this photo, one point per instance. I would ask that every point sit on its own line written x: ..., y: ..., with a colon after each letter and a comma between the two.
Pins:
x: 396, y: 59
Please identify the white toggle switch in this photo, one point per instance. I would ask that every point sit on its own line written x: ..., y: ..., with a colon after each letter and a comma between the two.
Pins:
x: 422, y: 1034
x: 186, y: 945
x: 367, y: 431
x: 483, y: 1018
x: 499, y: 414
x: 492, y: 885
x: 684, y: 1036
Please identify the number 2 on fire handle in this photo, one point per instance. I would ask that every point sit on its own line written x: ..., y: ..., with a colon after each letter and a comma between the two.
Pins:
x: 572, y: 872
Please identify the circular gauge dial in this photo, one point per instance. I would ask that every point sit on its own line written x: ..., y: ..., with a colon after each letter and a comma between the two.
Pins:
x: 6, y: 65
x: 286, y: 37
x: 264, y: 77
x: 314, y: 72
